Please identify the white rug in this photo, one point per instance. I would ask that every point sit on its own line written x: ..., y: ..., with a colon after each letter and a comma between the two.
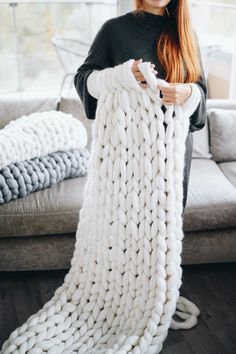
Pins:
x: 123, y: 286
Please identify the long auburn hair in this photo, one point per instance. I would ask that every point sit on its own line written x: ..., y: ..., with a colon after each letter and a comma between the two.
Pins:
x: 177, y: 49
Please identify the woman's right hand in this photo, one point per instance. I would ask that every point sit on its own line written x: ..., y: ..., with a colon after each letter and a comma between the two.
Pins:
x: 138, y: 75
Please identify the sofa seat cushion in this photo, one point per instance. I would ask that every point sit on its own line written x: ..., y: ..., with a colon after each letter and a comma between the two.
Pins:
x: 229, y: 170
x: 211, y: 200
x: 53, y: 210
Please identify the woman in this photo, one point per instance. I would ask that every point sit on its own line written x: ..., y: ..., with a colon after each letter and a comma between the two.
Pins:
x: 158, y: 31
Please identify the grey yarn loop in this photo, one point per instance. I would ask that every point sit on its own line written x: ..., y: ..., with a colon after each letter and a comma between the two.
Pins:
x: 21, y: 178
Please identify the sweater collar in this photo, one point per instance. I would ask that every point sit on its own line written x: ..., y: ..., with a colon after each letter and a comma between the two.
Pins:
x: 150, y: 20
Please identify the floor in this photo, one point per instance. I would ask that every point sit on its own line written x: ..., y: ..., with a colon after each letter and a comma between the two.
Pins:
x: 211, y: 287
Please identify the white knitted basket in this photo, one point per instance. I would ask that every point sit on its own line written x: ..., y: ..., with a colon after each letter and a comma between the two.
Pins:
x: 122, y: 289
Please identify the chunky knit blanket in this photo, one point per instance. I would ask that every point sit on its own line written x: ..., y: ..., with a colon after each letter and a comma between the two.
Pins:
x: 39, y: 134
x: 122, y: 289
x: 24, y: 177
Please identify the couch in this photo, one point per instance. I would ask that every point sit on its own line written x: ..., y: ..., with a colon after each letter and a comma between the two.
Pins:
x: 37, y: 232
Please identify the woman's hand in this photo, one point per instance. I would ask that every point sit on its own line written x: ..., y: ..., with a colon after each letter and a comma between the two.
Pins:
x: 138, y: 75
x: 175, y: 93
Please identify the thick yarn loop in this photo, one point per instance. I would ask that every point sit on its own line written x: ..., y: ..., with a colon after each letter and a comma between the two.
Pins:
x: 39, y: 134
x: 24, y: 177
x: 122, y: 289
x: 188, y: 312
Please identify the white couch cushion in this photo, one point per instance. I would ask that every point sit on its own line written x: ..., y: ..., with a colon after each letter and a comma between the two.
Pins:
x: 201, y: 143
x: 222, y: 124
x: 201, y: 137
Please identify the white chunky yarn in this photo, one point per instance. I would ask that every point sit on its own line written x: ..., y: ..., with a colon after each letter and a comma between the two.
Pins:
x: 39, y: 134
x: 122, y: 289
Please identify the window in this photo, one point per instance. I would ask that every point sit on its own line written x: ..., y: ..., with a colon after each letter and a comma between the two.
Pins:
x: 215, y: 25
x: 30, y: 62
x: 28, y: 59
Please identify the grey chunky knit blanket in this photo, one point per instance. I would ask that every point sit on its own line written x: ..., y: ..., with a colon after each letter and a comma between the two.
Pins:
x: 23, y: 177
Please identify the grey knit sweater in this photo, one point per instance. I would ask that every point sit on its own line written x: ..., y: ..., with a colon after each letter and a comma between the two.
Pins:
x: 133, y: 37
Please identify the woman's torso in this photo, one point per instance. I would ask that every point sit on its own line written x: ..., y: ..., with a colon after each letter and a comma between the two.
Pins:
x: 129, y: 37
x: 137, y: 38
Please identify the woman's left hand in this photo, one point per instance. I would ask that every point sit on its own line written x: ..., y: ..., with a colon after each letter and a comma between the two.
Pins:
x: 175, y: 93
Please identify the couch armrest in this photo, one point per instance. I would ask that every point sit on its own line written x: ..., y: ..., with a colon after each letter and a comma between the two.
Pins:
x: 221, y: 103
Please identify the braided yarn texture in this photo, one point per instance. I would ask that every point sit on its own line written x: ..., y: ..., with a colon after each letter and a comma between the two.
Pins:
x: 39, y: 134
x: 122, y: 289
x: 24, y: 177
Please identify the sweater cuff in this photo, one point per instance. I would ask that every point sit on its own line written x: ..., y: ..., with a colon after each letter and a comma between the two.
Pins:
x: 190, y: 105
x: 110, y: 78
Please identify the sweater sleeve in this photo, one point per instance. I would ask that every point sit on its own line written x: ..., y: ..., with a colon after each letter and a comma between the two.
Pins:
x: 199, y: 117
x: 98, y: 58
